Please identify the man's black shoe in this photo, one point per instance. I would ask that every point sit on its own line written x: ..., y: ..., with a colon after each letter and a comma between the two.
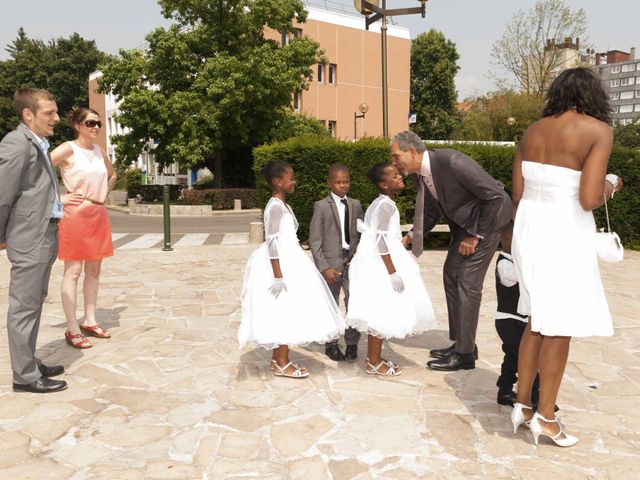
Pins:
x: 453, y: 362
x: 41, y: 385
x: 52, y: 371
x: 443, y: 352
x: 334, y: 353
x: 506, y: 397
x: 351, y: 353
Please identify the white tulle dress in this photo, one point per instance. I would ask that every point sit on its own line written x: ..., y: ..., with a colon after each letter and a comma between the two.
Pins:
x: 306, y: 312
x: 554, y: 255
x: 374, y: 307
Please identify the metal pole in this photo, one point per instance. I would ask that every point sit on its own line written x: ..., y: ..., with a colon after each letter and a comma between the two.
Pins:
x: 355, y: 126
x: 166, y: 197
x: 385, y: 99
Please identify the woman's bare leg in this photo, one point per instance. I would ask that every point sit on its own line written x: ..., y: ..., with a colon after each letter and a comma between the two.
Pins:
x: 528, y: 358
x: 90, y: 290
x: 69, y: 293
x: 553, y: 360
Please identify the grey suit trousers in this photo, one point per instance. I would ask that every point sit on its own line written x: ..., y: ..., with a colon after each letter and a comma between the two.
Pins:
x: 351, y: 335
x: 28, y: 289
x: 463, y: 278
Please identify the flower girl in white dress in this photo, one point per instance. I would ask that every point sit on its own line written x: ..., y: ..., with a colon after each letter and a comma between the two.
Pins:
x: 285, y: 300
x: 388, y: 298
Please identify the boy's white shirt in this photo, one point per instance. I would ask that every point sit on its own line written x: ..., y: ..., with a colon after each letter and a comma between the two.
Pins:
x: 341, y: 207
x: 507, y: 277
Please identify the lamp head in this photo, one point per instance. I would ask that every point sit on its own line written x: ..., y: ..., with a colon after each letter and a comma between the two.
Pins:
x: 511, y: 121
x: 363, y: 107
x: 358, y: 5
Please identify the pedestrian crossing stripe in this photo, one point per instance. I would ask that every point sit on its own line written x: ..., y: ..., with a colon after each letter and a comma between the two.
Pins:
x: 136, y: 241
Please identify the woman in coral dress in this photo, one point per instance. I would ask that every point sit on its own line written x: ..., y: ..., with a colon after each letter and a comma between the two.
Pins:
x: 84, y: 230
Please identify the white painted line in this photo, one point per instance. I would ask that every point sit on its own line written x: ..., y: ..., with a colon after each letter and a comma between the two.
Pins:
x: 235, y: 239
x: 192, y: 240
x: 117, y: 236
x: 147, y: 240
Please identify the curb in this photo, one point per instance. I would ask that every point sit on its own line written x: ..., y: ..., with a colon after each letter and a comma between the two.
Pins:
x: 214, y: 213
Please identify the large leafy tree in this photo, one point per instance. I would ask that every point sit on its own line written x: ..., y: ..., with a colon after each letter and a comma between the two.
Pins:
x: 433, y: 90
x: 211, y: 86
x: 498, y: 116
x: 628, y: 135
x: 61, y: 66
x: 529, y: 48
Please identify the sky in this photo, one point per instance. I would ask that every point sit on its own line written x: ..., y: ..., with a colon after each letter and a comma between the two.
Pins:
x: 473, y: 25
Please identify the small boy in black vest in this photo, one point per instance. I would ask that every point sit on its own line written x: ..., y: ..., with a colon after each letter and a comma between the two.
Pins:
x: 510, y: 325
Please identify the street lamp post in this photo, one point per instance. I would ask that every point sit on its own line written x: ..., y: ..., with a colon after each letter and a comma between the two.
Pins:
x: 363, y: 108
x: 366, y: 8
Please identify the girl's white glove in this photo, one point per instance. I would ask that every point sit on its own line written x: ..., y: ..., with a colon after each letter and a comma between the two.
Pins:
x: 277, y: 287
x: 396, y: 282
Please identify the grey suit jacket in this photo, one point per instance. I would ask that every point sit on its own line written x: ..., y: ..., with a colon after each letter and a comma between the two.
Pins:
x: 325, y: 233
x: 27, y: 191
x: 467, y: 195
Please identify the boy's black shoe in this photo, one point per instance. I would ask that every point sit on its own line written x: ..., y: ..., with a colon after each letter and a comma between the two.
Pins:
x: 351, y: 353
x: 506, y: 397
x: 333, y: 352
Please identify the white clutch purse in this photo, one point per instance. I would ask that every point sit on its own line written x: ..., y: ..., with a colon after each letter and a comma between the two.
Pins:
x: 608, y: 245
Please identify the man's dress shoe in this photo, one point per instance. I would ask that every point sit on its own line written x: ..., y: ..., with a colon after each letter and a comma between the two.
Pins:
x: 443, y: 352
x: 41, y: 385
x: 334, y: 353
x: 454, y: 361
x: 52, y: 371
x: 351, y: 353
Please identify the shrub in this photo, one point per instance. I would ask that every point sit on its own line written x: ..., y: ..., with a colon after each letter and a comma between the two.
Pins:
x: 153, y: 193
x: 205, y: 182
x: 221, y: 198
x: 129, y: 177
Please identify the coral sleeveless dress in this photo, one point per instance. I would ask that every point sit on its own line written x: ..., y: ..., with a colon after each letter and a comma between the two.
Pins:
x: 84, y: 230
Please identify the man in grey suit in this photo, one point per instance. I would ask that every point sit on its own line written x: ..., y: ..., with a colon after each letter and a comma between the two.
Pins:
x: 477, y: 208
x: 333, y: 238
x: 30, y: 209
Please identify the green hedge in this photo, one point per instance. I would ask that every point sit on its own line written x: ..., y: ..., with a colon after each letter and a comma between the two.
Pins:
x: 312, y: 156
x: 153, y: 193
x: 221, y: 198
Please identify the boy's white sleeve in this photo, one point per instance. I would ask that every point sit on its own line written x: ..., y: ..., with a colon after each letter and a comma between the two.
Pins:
x: 507, y: 273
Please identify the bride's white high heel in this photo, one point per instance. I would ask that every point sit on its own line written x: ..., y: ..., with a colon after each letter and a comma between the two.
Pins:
x: 517, y: 416
x: 536, y: 429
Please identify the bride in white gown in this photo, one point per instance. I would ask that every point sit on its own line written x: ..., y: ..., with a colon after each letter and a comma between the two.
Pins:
x: 558, y: 179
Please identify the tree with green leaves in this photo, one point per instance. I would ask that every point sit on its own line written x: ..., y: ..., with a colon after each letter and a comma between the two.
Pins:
x: 433, y: 89
x: 212, y: 86
x: 498, y: 116
x: 532, y: 47
x: 627, y: 135
x: 61, y: 66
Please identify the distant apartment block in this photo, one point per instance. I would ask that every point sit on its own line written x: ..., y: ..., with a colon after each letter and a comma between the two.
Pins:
x: 620, y: 73
x: 351, y: 76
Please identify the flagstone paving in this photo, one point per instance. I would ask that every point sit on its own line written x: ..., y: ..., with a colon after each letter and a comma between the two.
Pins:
x: 171, y: 396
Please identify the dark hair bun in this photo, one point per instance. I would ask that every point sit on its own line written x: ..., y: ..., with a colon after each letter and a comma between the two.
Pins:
x: 274, y: 169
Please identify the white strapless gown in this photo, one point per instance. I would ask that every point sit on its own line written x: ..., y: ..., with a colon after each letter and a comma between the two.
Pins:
x: 555, y: 258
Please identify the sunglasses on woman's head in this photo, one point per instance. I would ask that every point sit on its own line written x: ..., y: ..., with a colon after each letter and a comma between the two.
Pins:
x: 92, y: 123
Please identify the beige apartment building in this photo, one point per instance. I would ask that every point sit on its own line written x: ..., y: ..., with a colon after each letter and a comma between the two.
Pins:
x: 351, y: 76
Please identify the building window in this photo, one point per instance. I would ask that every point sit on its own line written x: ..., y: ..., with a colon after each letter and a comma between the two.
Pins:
x: 615, y: 108
x: 615, y: 82
x: 637, y: 108
x: 614, y: 96
x: 297, y: 33
x: 615, y: 69
x: 333, y: 70
x: 627, y: 81
x: 332, y: 126
x: 320, y: 73
x: 637, y: 93
x: 297, y: 101
x: 626, y: 108
x: 629, y: 67
x: 628, y: 95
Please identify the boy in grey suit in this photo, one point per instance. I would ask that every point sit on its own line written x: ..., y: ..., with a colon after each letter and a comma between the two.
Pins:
x: 30, y: 209
x: 333, y: 237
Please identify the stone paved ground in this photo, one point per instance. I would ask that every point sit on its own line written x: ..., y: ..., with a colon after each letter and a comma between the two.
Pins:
x: 172, y: 396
